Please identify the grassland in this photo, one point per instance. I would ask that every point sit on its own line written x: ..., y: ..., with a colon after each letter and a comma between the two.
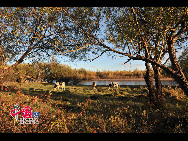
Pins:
x: 80, y: 109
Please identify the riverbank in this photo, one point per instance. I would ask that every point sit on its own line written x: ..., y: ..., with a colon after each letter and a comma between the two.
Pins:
x: 131, y: 79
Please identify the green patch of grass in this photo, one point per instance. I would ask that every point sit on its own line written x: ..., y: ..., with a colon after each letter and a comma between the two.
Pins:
x: 80, y: 109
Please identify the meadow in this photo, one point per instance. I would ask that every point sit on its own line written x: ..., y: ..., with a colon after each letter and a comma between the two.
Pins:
x: 80, y: 109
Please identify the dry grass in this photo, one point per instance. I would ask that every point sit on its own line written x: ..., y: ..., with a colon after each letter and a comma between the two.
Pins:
x: 82, y: 110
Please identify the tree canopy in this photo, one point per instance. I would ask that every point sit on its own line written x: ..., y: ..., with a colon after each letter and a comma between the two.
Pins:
x: 140, y: 33
x: 41, y: 32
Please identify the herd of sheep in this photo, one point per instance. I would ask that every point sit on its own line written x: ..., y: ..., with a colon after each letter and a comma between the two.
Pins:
x: 61, y: 85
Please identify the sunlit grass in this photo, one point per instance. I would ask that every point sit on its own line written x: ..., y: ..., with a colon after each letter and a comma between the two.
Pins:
x: 80, y: 109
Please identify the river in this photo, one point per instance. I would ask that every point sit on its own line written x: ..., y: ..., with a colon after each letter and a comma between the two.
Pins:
x: 126, y: 82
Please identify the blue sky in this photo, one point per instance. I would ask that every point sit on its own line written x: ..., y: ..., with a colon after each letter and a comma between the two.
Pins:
x: 105, y: 62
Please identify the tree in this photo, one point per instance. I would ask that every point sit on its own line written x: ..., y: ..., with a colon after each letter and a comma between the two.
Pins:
x: 38, y: 33
x: 146, y: 34
x: 183, y: 60
x: 149, y: 34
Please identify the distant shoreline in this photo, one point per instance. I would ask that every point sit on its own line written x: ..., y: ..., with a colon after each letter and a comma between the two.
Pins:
x: 132, y: 79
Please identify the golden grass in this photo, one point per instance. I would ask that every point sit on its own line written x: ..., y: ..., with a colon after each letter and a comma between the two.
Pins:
x: 82, y: 110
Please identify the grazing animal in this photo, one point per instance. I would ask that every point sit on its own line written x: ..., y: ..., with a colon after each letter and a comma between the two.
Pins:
x: 59, y: 84
x: 63, y: 86
x: 94, y: 85
x: 113, y: 84
x: 56, y: 86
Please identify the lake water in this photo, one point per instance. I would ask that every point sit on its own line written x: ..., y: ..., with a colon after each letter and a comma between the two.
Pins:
x: 125, y: 82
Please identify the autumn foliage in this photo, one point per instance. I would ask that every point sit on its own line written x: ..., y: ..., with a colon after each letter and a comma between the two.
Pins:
x: 48, y: 72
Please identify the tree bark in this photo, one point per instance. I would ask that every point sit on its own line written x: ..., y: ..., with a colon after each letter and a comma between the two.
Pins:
x: 158, y: 85
x: 149, y: 83
x: 180, y: 79
x: 22, y: 57
x: 148, y: 78
x: 178, y: 74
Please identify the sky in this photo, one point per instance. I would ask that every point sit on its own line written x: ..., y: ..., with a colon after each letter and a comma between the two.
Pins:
x: 105, y: 62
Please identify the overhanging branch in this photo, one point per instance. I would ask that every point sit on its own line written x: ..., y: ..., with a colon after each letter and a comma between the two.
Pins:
x: 127, y: 61
x: 99, y: 55
x: 138, y: 57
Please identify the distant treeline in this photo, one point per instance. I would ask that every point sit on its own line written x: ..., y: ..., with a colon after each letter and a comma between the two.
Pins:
x: 49, y: 72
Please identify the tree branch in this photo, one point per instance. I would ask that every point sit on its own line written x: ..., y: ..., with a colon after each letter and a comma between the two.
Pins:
x: 178, y: 34
x: 127, y: 61
x: 99, y: 55
x: 166, y: 61
x: 138, y: 57
x: 22, y: 57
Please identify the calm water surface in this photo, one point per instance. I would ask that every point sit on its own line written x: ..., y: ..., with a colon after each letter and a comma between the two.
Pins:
x: 125, y: 82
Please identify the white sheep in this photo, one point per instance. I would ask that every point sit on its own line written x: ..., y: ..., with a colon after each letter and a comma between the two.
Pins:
x: 59, y: 84
x: 113, y: 84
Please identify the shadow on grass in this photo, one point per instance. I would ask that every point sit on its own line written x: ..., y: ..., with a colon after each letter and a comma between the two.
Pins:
x: 46, y: 84
x: 105, y: 105
x: 74, y: 98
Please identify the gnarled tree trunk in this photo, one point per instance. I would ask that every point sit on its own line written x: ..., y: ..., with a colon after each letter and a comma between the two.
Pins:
x: 149, y: 83
x: 178, y: 74
x: 158, y: 85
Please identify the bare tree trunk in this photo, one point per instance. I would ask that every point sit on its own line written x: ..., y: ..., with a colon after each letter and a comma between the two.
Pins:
x: 178, y: 75
x: 181, y: 80
x: 153, y: 93
x: 149, y: 83
x: 158, y: 85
